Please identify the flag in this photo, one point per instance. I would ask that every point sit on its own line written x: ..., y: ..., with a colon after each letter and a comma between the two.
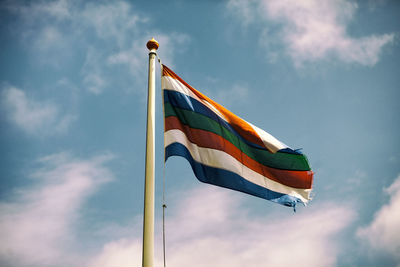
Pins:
x: 227, y: 151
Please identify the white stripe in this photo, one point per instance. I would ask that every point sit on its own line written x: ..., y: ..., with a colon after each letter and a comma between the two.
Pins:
x: 220, y: 159
x: 170, y: 83
x: 270, y: 142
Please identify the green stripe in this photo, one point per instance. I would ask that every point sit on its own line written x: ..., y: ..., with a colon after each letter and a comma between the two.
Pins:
x: 278, y: 160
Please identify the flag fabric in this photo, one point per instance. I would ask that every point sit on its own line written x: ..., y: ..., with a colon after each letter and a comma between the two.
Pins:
x: 227, y: 151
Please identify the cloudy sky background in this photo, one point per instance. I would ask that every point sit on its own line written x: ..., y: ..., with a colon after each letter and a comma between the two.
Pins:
x: 318, y: 75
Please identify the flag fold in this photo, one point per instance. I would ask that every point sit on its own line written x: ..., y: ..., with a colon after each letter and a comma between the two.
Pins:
x: 227, y: 151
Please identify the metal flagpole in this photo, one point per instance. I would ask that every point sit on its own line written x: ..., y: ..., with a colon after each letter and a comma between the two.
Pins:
x: 148, y: 216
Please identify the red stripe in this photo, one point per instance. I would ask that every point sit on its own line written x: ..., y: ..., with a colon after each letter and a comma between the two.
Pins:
x: 202, y: 138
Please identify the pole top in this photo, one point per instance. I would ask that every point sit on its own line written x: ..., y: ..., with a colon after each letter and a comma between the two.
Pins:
x: 152, y: 44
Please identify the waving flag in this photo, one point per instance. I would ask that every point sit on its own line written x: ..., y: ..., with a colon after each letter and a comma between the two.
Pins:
x: 227, y: 151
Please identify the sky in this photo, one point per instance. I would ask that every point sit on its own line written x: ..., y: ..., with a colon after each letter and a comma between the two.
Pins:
x: 318, y: 75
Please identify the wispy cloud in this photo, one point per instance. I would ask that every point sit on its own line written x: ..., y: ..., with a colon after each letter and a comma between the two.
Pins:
x: 135, y: 55
x: 207, y: 226
x: 48, y: 37
x: 210, y: 228
x: 123, y: 253
x: 227, y: 95
x: 245, y: 10
x: 60, y: 9
x: 382, y: 234
x: 37, y: 224
x: 94, y: 78
x: 312, y: 30
x: 108, y: 40
x: 115, y: 21
x: 32, y: 116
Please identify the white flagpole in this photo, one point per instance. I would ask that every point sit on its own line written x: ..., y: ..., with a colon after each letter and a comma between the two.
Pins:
x: 148, y: 216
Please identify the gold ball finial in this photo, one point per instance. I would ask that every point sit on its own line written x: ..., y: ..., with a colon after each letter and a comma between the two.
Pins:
x: 152, y: 44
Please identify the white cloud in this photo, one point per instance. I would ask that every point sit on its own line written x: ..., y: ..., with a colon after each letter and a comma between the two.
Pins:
x: 382, y: 234
x: 34, y: 117
x: 94, y: 83
x: 226, y: 93
x: 92, y: 71
x: 210, y: 228
x: 108, y: 40
x: 114, y: 20
x: 126, y: 33
x: 244, y: 9
x: 315, y: 30
x: 234, y: 95
x: 121, y: 253
x: 49, y: 37
x: 207, y: 226
x: 59, y: 10
x: 37, y: 225
x: 135, y: 56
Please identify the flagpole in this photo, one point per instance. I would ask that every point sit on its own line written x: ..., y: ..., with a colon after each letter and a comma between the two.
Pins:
x: 148, y: 216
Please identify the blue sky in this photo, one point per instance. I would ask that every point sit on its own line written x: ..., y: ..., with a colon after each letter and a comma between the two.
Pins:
x: 318, y: 75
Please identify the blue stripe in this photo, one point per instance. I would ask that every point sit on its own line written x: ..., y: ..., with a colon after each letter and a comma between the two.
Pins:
x: 182, y: 101
x: 228, y: 179
x: 186, y: 102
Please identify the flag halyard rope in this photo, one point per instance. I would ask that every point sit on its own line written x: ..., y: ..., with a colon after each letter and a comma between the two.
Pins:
x: 164, y: 205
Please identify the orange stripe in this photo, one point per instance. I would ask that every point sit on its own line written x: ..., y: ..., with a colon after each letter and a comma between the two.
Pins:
x: 240, y: 125
x: 296, y: 179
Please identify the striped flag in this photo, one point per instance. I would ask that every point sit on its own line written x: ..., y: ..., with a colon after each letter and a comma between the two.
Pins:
x: 227, y: 151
